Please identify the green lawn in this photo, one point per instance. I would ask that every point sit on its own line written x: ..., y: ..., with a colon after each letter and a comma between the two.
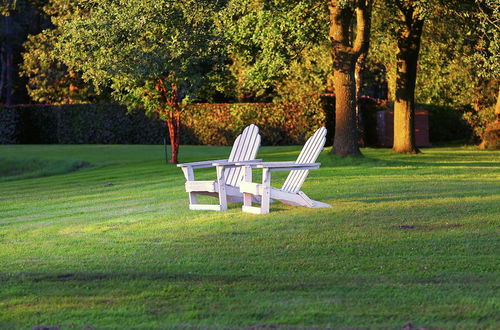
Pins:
x: 112, y: 244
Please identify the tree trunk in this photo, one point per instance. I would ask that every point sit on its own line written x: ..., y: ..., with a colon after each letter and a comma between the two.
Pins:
x: 497, y: 109
x: 9, y: 87
x: 358, y: 75
x: 72, y: 88
x: 491, y: 136
x: 406, y: 76
x: 344, y: 57
x: 8, y: 57
x: 174, y: 132
x: 346, y: 132
x: 3, y: 71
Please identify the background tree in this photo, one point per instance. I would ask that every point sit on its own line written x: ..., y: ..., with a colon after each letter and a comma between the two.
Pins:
x: 272, y: 41
x: 18, y: 18
x: 412, y: 17
x: 153, y: 54
x: 448, y: 73
x: 49, y: 81
x: 345, y: 53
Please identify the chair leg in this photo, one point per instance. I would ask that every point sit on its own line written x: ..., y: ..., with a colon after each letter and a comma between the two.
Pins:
x: 248, y: 197
x: 247, y: 177
x: 222, y: 188
x: 192, y: 198
x: 266, y: 193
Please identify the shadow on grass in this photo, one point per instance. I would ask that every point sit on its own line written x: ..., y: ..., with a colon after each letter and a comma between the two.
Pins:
x: 336, y: 161
x: 26, y: 168
x: 101, y: 276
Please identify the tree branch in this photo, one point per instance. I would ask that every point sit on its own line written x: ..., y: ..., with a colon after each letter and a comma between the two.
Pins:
x: 363, y: 20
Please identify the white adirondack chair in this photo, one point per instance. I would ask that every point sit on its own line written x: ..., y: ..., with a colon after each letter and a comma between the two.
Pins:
x: 290, y: 191
x: 226, y: 186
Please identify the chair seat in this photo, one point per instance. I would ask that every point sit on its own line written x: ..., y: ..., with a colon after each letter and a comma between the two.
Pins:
x: 208, y: 186
x: 251, y: 188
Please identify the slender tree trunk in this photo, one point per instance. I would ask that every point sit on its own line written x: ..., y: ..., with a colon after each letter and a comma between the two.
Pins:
x: 344, y: 59
x: 358, y: 74
x: 2, y: 71
x: 174, y: 132
x: 406, y: 76
x: 497, y: 110
x: 9, y: 60
x: 72, y: 88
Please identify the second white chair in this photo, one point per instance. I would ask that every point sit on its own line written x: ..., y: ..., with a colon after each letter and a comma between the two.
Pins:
x: 290, y: 191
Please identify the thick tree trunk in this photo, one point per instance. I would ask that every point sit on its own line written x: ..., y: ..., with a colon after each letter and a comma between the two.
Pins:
x: 406, y: 77
x: 174, y: 132
x: 346, y: 132
x: 344, y: 55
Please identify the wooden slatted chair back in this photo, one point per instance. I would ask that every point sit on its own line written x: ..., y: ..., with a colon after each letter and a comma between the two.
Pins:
x: 245, y: 147
x: 309, y: 154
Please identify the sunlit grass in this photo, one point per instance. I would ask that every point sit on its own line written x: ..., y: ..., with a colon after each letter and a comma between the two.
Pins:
x: 409, y: 239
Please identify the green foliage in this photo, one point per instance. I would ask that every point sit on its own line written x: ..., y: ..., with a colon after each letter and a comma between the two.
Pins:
x: 48, y: 78
x: 268, y: 40
x: 307, y: 77
x: 488, y: 47
x: 409, y: 239
x: 137, y: 47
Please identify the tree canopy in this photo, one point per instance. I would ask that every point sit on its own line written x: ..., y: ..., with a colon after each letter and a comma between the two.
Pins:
x: 162, y: 55
x: 152, y: 54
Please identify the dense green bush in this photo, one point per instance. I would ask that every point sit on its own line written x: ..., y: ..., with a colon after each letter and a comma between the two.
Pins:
x: 447, y: 124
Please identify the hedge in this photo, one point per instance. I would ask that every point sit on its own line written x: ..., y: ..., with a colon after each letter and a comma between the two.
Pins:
x: 78, y: 124
x: 279, y: 124
x: 447, y: 124
x: 212, y: 124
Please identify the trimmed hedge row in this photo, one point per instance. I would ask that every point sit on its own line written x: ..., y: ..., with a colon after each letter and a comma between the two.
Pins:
x: 279, y: 124
x: 78, y: 124
x: 212, y: 124
x: 215, y: 124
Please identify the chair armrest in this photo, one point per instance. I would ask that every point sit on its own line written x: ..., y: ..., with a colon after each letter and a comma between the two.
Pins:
x: 284, y: 166
x: 236, y: 164
x: 207, y: 163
